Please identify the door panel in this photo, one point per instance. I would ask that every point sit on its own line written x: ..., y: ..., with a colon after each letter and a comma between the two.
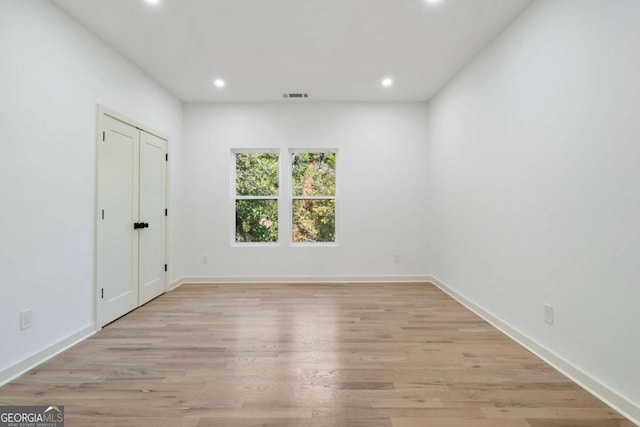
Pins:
x: 117, y: 257
x: 153, y: 202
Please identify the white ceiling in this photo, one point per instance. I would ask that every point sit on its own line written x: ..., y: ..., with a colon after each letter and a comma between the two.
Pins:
x: 337, y: 50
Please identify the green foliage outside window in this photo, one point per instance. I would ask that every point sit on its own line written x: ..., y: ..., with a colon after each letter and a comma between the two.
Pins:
x: 257, y: 220
x: 313, y: 186
x: 313, y: 175
x: 314, y: 220
x: 257, y: 174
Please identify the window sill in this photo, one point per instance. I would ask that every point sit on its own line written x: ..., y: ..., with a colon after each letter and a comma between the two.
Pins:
x: 315, y: 245
x: 255, y: 245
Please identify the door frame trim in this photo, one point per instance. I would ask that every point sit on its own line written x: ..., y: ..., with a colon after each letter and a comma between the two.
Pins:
x: 103, y: 111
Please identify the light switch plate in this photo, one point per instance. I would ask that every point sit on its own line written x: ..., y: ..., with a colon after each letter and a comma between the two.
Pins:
x: 26, y: 319
x: 548, y: 314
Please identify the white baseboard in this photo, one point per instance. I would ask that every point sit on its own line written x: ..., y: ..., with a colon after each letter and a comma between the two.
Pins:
x: 14, y: 371
x: 300, y: 279
x: 175, y: 285
x: 612, y: 398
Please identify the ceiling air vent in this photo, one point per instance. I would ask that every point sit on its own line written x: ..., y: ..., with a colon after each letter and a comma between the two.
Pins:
x: 295, y: 95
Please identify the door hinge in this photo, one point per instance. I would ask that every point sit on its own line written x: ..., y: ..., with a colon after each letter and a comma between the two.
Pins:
x: 165, y: 267
x: 166, y: 157
x: 103, y: 136
x: 102, y: 293
x: 166, y: 212
x: 102, y: 213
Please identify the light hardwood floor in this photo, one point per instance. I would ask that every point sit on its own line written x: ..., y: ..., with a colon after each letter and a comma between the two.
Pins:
x: 374, y: 355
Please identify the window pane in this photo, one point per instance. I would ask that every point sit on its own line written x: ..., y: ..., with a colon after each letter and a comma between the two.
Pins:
x: 257, y: 174
x: 313, y: 174
x: 256, y: 220
x: 314, y: 220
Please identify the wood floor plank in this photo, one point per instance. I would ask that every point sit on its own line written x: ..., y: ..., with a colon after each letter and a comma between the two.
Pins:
x: 321, y: 355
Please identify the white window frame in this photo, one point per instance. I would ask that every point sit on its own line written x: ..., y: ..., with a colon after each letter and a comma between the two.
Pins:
x: 235, y: 197
x: 291, y: 197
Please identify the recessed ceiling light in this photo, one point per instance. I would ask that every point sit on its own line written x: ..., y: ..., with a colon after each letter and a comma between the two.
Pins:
x: 433, y: 1
x: 153, y: 2
x: 386, y: 82
x: 218, y: 83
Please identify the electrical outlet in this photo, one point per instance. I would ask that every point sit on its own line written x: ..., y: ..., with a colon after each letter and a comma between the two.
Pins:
x: 396, y: 259
x: 205, y: 259
x: 26, y: 319
x: 548, y: 314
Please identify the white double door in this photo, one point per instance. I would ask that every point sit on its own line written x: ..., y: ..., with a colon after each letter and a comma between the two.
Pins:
x: 132, y: 202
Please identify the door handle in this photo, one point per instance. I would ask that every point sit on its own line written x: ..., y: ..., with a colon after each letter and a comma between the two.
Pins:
x: 145, y: 225
x: 137, y: 225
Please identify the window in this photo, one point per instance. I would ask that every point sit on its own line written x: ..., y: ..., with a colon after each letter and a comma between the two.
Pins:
x: 313, y: 185
x: 257, y: 187
x: 256, y: 200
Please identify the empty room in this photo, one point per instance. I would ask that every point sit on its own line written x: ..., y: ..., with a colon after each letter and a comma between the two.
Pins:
x: 320, y: 213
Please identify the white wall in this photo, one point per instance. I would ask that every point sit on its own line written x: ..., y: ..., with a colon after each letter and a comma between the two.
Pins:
x: 53, y: 73
x: 534, y: 184
x: 381, y: 186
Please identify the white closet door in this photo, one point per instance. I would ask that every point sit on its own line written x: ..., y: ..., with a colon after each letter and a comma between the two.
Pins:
x: 153, y: 202
x: 117, y: 258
